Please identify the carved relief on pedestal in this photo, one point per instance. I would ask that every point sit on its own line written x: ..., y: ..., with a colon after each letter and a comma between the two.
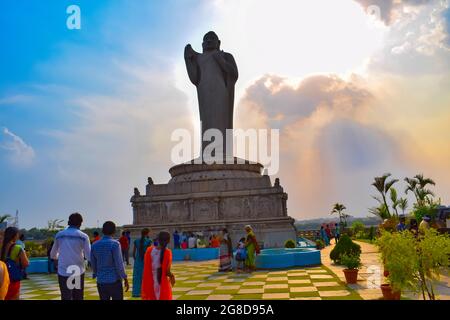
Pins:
x: 177, y: 211
x: 204, y: 210
x: 265, y: 206
x: 247, y: 208
x: 149, y: 213
x: 232, y: 208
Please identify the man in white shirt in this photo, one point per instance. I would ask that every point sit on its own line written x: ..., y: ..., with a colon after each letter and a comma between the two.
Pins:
x: 192, y: 242
x: 71, y: 248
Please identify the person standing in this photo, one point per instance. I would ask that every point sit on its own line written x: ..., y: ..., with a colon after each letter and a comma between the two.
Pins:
x: 50, y: 262
x: 215, y: 242
x: 4, y: 280
x: 401, y: 226
x: 176, y: 240
x: 124, y: 246
x: 107, y: 265
x: 15, y: 259
x: 71, y: 248
x: 324, y: 236
x: 251, y: 246
x: 337, y: 232
x: 192, y: 242
x: 241, y: 255
x: 225, y: 252
x: 328, y: 232
x: 128, y: 235
x: 157, y: 279
x: 21, y: 241
x: 413, y: 227
x: 96, y: 237
x: 140, y: 247
x: 424, y: 225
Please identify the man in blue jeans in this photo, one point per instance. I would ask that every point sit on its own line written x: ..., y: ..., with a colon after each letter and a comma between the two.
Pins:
x: 107, y: 265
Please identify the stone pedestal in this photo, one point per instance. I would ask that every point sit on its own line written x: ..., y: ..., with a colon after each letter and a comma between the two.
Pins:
x: 207, y: 198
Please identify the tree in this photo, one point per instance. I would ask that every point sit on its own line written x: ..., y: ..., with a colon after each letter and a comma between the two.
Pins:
x: 383, y: 186
x: 339, y: 209
x: 395, y: 200
x: 380, y: 211
x: 4, y: 217
x: 55, y: 224
x: 403, y: 204
x: 425, y: 204
x: 417, y: 185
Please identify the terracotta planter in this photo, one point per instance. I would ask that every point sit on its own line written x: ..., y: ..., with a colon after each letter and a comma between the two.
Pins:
x: 351, y: 275
x: 388, y: 294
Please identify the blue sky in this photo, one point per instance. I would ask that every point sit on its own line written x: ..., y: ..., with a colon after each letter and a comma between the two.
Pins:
x: 43, y: 64
x: 86, y: 115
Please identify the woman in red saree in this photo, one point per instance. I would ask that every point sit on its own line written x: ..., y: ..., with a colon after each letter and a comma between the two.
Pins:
x: 157, y: 280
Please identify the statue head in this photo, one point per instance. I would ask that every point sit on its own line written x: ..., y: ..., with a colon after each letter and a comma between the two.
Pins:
x: 210, y: 42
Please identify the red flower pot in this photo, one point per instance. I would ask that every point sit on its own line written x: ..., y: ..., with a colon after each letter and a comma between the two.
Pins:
x: 351, y: 275
x: 388, y: 294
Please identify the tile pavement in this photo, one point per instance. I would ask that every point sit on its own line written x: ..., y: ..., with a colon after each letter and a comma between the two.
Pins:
x: 202, y: 281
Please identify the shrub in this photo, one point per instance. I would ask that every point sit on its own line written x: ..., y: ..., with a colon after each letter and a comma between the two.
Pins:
x: 372, y: 233
x: 357, y: 227
x: 35, y: 249
x: 320, y: 244
x: 425, y: 210
x: 415, y: 265
x: 345, y: 245
x: 351, y: 261
x: 289, y: 243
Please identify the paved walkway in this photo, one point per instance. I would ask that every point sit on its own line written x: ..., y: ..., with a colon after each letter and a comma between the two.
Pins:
x: 370, y: 275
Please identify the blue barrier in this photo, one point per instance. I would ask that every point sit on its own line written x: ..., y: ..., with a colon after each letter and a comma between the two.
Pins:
x: 39, y: 265
x: 198, y: 254
x: 286, y: 258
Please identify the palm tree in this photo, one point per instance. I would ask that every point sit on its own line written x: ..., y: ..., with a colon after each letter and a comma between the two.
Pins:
x: 394, y: 199
x: 339, y: 208
x: 423, y: 182
x: 380, y: 211
x: 383, y: 186
x: 55, y: 224
x: 5, y: 217
x: 403, y: 204
x: 411, y: 186
x: 417, y: 186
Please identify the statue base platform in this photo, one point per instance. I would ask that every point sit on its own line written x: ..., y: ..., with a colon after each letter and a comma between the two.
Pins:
x: 205, y: 198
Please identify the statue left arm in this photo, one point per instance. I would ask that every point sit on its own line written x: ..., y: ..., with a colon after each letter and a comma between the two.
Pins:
x: 227, y: 64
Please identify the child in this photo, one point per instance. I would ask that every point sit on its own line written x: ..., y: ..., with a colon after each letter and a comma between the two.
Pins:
x: 240, y: 255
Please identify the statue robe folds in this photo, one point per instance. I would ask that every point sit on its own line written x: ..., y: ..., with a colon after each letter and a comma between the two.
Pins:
x: 215, y: 83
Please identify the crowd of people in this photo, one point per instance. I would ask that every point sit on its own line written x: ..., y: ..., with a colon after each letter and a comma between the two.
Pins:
x: 71, y: 253
x: 327, y: 233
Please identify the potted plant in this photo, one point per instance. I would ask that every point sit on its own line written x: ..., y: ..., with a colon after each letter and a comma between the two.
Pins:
x: 352, y: 263
x: 398, y: 252
x: 344, y: 246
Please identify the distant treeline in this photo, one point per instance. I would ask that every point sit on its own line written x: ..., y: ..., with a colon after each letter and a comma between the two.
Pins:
x: 44, y: 234
x: 314, y: 224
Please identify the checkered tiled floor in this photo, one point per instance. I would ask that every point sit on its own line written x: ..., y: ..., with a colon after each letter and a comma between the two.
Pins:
x: 200, y: 280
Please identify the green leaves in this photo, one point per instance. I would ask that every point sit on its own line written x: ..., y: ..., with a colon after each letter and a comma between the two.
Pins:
x: 5, y: 217
x: 414, y: 264
x: 351, y: 261
x: 339, y: 208
x: 383, y: 186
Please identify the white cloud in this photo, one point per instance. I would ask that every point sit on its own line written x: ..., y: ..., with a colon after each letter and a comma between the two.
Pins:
x: 18, y: 152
